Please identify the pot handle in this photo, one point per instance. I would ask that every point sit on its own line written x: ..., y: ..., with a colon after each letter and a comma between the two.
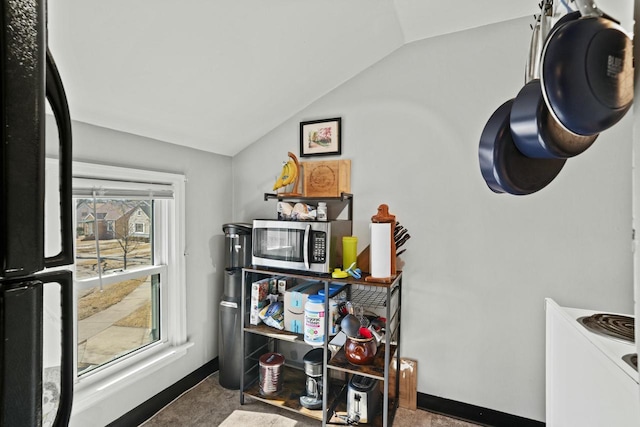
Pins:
x: 540, y: 31
x: 588, y: 8
x: 531, y: 68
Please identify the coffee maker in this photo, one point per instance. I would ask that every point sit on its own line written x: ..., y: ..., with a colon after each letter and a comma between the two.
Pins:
x: 313, y: 368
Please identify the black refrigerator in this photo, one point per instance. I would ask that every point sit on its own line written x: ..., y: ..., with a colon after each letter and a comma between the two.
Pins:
x: 30, y: 79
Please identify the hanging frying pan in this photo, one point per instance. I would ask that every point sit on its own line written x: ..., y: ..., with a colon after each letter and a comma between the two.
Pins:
x: 504, y: 168
x: 587, y: 72
x: 535, y: 132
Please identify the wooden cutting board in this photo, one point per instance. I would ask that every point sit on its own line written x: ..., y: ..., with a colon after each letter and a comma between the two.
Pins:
x: 326, y: 178
x: 408, y: 383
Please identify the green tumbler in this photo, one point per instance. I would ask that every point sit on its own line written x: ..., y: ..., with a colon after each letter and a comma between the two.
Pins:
x: 349, y: 251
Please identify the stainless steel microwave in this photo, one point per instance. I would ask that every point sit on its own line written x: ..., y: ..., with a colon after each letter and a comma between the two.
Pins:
x: 314, y: 246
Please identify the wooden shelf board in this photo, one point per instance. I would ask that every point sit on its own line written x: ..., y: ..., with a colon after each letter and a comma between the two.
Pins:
x: 376, y: 422
x: 271, y: 332
x: 320, y: 277
x: 375, y: 370
x: 281, y: 197
x: 293, y: 386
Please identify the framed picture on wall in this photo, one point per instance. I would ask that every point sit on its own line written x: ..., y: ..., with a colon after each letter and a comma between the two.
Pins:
x: 320, y: 138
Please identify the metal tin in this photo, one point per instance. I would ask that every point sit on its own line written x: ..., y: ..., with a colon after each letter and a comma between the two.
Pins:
x: 271, y: 375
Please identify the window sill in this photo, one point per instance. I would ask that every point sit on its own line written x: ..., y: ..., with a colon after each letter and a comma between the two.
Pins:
x: 96, y: 386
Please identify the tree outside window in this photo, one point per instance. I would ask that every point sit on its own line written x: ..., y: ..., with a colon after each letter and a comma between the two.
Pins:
x: 131, y: 319
x: 111, y: 240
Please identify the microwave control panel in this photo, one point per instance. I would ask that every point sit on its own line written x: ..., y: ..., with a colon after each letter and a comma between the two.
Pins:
x: 318, y: 247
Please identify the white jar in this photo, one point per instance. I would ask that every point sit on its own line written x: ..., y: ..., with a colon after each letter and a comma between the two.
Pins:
x: 321, y: 214
x: 314, y: 319
x: 333, y: 311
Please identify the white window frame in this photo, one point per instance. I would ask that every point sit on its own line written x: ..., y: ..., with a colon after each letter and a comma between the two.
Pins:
x: 110, y: 378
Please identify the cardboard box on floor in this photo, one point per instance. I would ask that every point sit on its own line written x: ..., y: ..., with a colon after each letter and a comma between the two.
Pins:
x: 408, y: 383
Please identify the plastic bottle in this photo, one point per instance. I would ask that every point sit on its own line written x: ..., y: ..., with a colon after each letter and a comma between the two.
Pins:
x: 321, y: 215
x: 314, y: 319
x: 333, y: 310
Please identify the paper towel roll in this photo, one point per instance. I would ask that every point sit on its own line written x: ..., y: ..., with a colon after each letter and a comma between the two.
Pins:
x: 380, y: 256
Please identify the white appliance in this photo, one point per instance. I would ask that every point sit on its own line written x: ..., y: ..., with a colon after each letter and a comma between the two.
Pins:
x: 363, y: 397
x: 589, y: 381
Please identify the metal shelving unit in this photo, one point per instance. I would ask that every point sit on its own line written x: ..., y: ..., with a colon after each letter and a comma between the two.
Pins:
x: 385, y: 299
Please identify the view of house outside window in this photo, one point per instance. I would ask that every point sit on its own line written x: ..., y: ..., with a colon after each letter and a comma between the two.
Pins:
x: 117, y: 298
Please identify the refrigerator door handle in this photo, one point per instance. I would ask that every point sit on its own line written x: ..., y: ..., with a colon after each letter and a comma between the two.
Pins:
x: 65, y: 279
x: 21, y: 349
x: 58, y: 101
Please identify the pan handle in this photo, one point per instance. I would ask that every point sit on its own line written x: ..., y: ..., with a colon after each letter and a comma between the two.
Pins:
x: 58, y: 101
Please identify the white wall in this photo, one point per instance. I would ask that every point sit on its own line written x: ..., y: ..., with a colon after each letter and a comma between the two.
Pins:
x: 208, y: 206
x: 478, y: 264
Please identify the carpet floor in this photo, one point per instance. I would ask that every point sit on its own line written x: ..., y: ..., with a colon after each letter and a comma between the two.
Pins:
x: 208, y: 404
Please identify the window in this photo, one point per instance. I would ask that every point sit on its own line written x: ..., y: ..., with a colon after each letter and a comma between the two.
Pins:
x: 117, y: 276
x: 129, y: 275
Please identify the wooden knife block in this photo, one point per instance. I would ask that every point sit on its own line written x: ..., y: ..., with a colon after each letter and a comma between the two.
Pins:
x: 363, y: 261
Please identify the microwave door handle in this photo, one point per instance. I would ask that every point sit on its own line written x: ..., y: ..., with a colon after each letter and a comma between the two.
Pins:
x: 305, y: 245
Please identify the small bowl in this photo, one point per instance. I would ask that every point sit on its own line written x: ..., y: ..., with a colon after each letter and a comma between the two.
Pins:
x: 360, y: 351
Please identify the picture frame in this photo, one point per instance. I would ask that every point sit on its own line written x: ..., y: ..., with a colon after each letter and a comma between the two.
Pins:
x: 321, y: 137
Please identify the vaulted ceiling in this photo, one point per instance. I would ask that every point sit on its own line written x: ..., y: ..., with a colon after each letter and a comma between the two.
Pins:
x: 216, y: 75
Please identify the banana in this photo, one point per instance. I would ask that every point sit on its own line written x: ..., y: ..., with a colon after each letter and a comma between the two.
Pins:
x: 283, y: 175
x: 292, y: 173
x: 289, y: 173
